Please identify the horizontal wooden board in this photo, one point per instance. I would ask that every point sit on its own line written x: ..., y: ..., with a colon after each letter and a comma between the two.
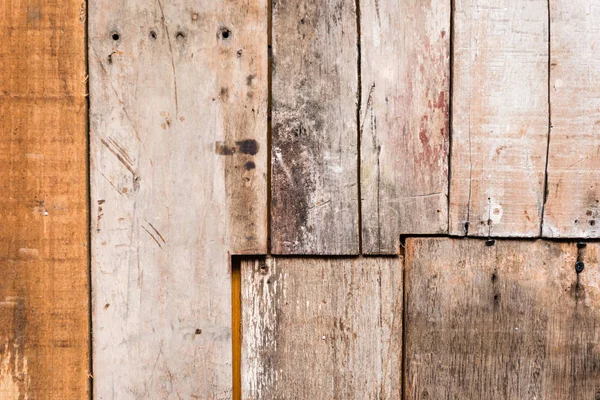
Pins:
x: 44, y: 323
x: 404, y: 120
x: 499, y: 117
x: 509, y: 321
x: 314, y: 204
x: 573, y: 204
x: 322, y: 328
x: 179, y: 159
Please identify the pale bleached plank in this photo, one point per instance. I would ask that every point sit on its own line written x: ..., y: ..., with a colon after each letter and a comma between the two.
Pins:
x: 405, y: 77
x: 178, y: 152
x: 509, y: 321
x: 573, y: 198
x: 314, y: 204
x: 500, y: 117
x: 44, y: 307
x: 322, y: 328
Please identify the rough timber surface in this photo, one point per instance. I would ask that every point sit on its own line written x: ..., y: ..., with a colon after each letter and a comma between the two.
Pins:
x: 314, y: 204
x: 508, y: 321
x: 322, y: 328
x: 404, y: 120
x: 573, y: 198
x: 44, y: 335
x: 179, y: 156
x: 499, y: 117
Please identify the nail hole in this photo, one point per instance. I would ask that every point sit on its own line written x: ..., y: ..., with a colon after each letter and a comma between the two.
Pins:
x: 115, y: 36
x: 592, y: 222
x: 494, y: 277
x: 225, y: 33
x: 153, y: 35
x: 579, y: 266
x: 490, y: 242
x: 581, y: 245
x: 198, y: 331
x: 180, y: 35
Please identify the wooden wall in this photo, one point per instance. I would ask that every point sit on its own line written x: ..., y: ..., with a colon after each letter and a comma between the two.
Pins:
x: 280, y: 199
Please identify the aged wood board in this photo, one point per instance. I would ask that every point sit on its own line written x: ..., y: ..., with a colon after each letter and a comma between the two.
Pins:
x: 178, y: 183
x: 314, y: 189
x: 44, y: 336
x: 499, y: 117
x: 573, y: 196
x: 404, y: 120
x: 321, y: 328
x: 509, y: 321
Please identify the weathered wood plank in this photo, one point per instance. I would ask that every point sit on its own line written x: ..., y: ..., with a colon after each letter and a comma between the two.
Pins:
x: 405, y: 78
x: 314, y: 128
x: 322, y: 328
x: 510, y: 321
x: 44, y: 335
x: 500, y: 117
x: 178, y: 151
x: 573, y: 198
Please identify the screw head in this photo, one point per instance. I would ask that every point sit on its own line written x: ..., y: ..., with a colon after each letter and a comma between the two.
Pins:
x: 579, y: 266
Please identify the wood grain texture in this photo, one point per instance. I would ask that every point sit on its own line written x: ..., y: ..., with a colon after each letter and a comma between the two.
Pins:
x: 405, y: 78
x: 500, y: 117
x: 314, y: 204
x: 178, y: 152
x: 510, y: 321
x: 322, y: 328
x: 44, y: 335
x: 573, y: 198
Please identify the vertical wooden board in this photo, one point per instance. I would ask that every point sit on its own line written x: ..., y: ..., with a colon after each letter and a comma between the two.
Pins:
x: 500, y: 117
x: 314, y: 186
x: 405, y: 78
x: 178, y: 149
x: 509, y: 321
x: 573, y: 198
x: 322, y: 328
x: 44, y: 323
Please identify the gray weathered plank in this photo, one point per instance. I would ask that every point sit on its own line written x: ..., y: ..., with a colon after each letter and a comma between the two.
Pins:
x: 572, y: 206
x: 314, y: 128
x: 178, y: 153
x: 322, y: 328
x: 500, y: 117
x: 509, y: 321
x: 405, y: 78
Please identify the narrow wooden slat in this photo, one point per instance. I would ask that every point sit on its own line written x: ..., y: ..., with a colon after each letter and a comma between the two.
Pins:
x: 405, y: 78
x: 322, y: 328
x: 510, y: 321
x: 500, y: 117
x: 314, y: 134
x: 44, y: 323
x: 573, y: 204
x: 178, y: 149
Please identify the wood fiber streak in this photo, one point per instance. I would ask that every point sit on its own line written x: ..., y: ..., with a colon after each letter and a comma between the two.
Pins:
x: 509, y: 321
x: 179, y: 162
x: 322, y: 328
x: 500, y: 117
x: 44, y: 336
x: 404, y: 120
x: 314, y: 203
x: 573, y: 196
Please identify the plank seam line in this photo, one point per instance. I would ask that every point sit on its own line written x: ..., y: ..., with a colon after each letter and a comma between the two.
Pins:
x: 545, y: 194
x: 358, y: 129
x: 450, y: 109
x: 269, y: 118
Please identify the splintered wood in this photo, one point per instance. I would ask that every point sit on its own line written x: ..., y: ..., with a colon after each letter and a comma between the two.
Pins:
x: 314, y: 203
x: 178, y: 180
x: 509, y: 321
x: 44, y: 336
x: 322, y: 328
x: 573, y: 204
x: 500, y: 117
x: 405, y: 76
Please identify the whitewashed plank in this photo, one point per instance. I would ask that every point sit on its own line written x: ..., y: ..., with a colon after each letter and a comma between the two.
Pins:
x: 404, y: 120
x: 573, y: 198
x: 500, y: 117
x: 178, y: 153
x: 322, y: 328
